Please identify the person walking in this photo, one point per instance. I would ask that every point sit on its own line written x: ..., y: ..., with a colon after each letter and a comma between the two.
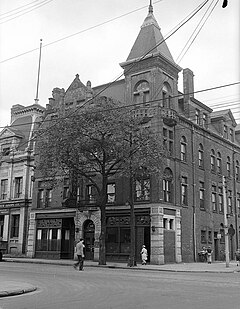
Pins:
x: 144, y: 255
x: 80, y: 254
x: 209, y: 255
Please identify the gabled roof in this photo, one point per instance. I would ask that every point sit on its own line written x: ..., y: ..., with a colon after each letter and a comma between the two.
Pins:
x: 10, y: 132
x: 76, y: 84
x: 150, y: 40
x: 224, y: 114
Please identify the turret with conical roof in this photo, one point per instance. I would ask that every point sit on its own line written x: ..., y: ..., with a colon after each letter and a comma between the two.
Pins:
x: 150, y: 71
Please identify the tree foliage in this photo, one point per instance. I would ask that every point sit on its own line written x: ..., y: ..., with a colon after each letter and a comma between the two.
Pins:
x: 100, y: 140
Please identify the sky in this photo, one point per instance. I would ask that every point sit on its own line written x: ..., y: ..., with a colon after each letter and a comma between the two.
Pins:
x: 92, y: 37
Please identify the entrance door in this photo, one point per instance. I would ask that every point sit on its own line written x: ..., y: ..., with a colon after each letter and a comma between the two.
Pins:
x: 89, y: 232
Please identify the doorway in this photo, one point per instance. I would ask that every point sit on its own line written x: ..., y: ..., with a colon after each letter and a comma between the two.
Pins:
x: 89, y: 233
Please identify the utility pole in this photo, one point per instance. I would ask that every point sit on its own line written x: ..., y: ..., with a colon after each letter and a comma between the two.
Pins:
x: 225, y: 220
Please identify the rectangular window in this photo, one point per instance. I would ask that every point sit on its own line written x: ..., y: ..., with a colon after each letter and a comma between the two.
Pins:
x: 168, y: 141
x: 197, y: 116
x: 167, y: 190
x: 219, y: 166
x: 18, y: 187
x: 142, y: 190
x: 65, y: 188
x: 231, y: 135
x: 214, y: 198
x: 1, y: 225
x: 230, y: 206
x: 111, y: 193
x: 48, y: 197
x: 204, y: 120
x: 4, y: 187
x: 225, y: 131
x: 228, y: 169
x: 15, y: 225
x: 203, y: 236
x: 209, y: 236
x: 91, y: 197
x: 40, y: 202
x: 184, y: 195
x: 220, y: 199
x: 238, y: 203
x: 201, y: 195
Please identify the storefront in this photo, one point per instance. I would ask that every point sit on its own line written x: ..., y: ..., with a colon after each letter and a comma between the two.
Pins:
x: 118, y: 235
x: 54, y: 236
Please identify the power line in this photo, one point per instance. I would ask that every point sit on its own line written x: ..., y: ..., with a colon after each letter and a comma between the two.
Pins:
x: 182, y: 53
x: 18, y: 8
x: 134, y: 104
x: 77, y: 33
x: 34, y: 7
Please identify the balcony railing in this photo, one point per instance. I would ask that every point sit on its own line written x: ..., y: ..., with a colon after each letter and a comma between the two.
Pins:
x: 169, y: 116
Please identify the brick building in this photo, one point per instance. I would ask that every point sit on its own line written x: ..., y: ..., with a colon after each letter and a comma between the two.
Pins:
x: 16, y: 175
x: 175, y: 214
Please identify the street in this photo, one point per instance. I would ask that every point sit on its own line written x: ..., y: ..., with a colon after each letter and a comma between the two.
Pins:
x: 63, y: 287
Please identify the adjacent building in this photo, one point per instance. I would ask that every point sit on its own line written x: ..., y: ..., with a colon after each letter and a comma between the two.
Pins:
x: 17, y: 175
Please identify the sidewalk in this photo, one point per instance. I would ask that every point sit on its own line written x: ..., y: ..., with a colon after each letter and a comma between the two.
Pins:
x: 14, y: 288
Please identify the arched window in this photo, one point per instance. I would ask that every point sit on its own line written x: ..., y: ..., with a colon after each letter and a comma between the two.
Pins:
x: 141, y: 92
x: 183, y: 153
x: 168, y: 185
x: 228, y: 166
x: 237, y: 171
x: 213, y: 161
x: 200, y: 156
x: 219, y: 163
x: 166, y: 96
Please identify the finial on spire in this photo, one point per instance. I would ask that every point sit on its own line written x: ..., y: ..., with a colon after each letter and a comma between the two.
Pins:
x: 150, y: 8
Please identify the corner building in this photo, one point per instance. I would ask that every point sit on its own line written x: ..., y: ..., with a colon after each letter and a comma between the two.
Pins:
x: 176, y: 213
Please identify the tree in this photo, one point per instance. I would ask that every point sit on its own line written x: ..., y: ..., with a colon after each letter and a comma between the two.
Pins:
x: 98, y: 141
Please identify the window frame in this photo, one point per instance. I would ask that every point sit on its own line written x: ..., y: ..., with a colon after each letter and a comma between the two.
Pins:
x: 18, y: 187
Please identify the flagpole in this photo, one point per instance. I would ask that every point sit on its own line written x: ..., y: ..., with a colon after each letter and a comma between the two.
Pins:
x: 39, y: 63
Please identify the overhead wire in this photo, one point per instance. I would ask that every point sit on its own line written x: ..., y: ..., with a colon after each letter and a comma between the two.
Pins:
x: 77, y: 33
x: 141, y: 103
x: 27, y: 10
x: 18, y: 8
x: 193, y: 37
x: 150, y: 51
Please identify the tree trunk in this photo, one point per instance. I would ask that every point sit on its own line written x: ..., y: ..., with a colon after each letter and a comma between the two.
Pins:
x: 132, y: 260
x: 102, y: 238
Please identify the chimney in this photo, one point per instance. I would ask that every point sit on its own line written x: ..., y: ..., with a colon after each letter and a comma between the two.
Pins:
x: 188, y: 84
x: 15, y: 108
x: 188, y: 89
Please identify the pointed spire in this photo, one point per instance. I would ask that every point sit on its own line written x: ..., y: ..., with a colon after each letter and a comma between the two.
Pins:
x: 150, y: 8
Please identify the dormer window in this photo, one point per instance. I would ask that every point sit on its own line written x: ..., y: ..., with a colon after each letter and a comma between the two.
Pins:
x: 204, y: 120
x: 231, y: 136
x: 197, y: 116
x: 225, y: 131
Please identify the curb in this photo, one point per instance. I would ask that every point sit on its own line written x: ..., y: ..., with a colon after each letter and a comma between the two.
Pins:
x: 17, y: 292
x: 124, y: 267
